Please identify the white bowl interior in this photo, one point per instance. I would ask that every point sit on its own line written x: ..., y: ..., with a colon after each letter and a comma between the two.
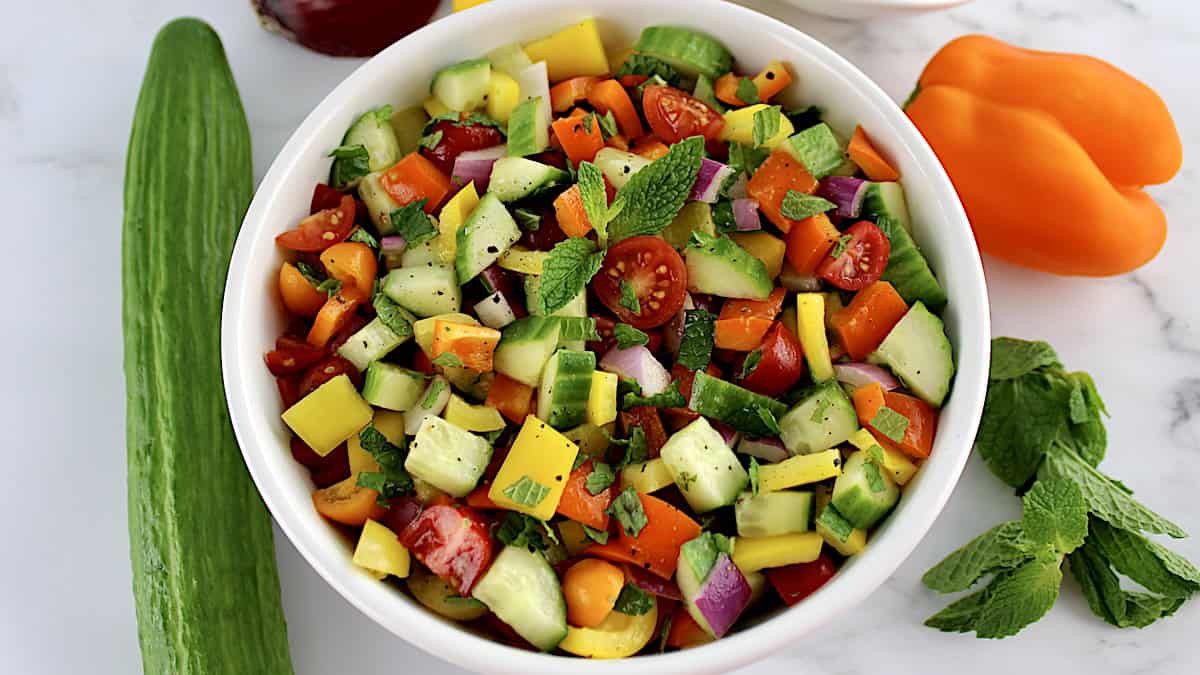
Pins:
x: 400, y: 76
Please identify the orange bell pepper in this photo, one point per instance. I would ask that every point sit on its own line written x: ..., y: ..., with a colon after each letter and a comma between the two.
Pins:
x: 1048, y: 153
x: 740, y: 335
x: 649, y: 147
x: 809, y: 241
x: 685, y: 632
x: 619, y: 142
x: 513, y: 399
x: 571, y: 215
x: 777, y: 176
x: 580, y: 143
x: 351, y: 262
x: 609, y: 95
x: 414, y: 178
x: 569, y: 92
x: 473, y: 345
x: 579, y: 504
x: 656, y: 548
x: 337, y: 311
x: 863, y: 153
x: 769, y: 82
x: 867, y: 320
x: 922, y: 418
x: 763, y: 309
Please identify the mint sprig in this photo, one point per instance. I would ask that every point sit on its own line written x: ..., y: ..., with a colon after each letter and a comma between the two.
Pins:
x: 653, y: 196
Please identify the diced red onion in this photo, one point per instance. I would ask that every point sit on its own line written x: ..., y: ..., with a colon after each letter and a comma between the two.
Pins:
x: 766, y: 449
x: 494, y: 311
x: 745, y: 214
x: 496, y: 278
x: 476, y: 165
x: 639, y: 364
x: 728, y: 433
x: 846, y: 192
x: 708, y: 184
x: 792, y: 280
x: 413, y: 419
x: 739, y: 187
x: 861, y: 374
x: 392, y: 249
x: 653, y: 584
x: 709, y: 303
x: 724, y: 595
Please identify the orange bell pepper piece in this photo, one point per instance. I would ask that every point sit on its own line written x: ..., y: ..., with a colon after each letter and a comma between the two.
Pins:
x: 685, y: 632
x: 473, y: 345
x: 479, y: 499
x: 619, y: 142
x: 863, y: 153
x: 569, y: 92
x: 867, y: 320
x: 1039, y: 148
x: 922, y: 418
x: 809, y: 241
x: 580, y: 144
x: 769, y: 82
x: 609, y: 95
x: 334, y: 315
x: 777, y: 176
x: 513, y: 399
x: 414, y: 178
x: 579, y: 504
x: 763, y: 309
x: 740, y: 335
x: 572, y: 217
x: 649, y: 147
x: 351, y: 262
x: 656, y: 548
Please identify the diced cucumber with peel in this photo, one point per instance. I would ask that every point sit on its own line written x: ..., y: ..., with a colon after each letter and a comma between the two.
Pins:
x: 770, y: 513
x: 447, y: 457
x: 718, y: 266
x: 525, y: 347
x: 529, y: 124
x: 733, y: 405
x: 515, y: 178
x: 378, y: 202
x: 374, y: 132
x: 389, y: 386
x: 864, y: 493
x: 690, y: 52
x: 907, y: 270
x: 824, y: 417
x: 693, y: 217
x: 424, y: 254
x: 463, y: 86
x: 707, y: 472
x: 371, y: 343
x: 487, y: 234
x: 524, y: 592
x: 886, y: 200
x: 618, y: 167
x: 565, y: 387
x: 431, y: 404
x: 919, y: 353
x: 424, y: 291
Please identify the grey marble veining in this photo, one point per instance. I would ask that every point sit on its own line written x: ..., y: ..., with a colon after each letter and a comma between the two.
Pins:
x: 69, y: 75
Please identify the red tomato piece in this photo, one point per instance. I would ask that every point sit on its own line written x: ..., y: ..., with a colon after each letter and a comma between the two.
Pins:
x: 401, y: 511
x: 780, y: 363
x: 325, y: 371
x: 458, y: 138
x: 648, y: 419
x: 655, y: 274
x: 861, y: 260
x: 292, y: 356
x: 453, y: 542
x: 796, y: 582
x: 324, y: 197
x: 674, y: 115
x: 322, y: 229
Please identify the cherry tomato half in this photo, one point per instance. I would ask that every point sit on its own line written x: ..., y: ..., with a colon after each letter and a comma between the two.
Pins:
x: 796, y: 582
x: 324, y: 197
x: 458, y: 138
x: 655, y: 274
x: 453, y: 542
x: 862, y: 261
x: 674, y: 115
x: 322, y: 229
x: 326, y: 371
x: 780, y: 363
x: 605, y: 327
x: 292, y: 356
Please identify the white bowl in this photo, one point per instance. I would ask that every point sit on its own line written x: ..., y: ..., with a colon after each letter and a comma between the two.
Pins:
x: 400, y: 75
x: 872, y: 9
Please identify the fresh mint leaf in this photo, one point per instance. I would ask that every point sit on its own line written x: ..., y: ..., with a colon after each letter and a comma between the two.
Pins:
x: 836, y: 523
x: 627, y: 336
x: 669, y: 398
x: 431, y: 141
x: 1013, y: 600
x: 411, y: 222
x: 330, y: 286
x: 642, y: 64
x: 600, y: 478
x: 529, y: 220
x: 766, y: 124
x: 363, y: 237
x: 702, y: 553
x: 654, y: 195
x: 351, y: 163
x: 768, y: 419
x: 1055, y: 515
x: 890, y: 423
x: 1148, y: 563
x: 598, y: 536
x: 386, y: 454
x: 629, y: 299
x: 874, y: 477
x: 1012, y: 358
x: 391, y: 480
x: 746, y: 159
x: 752, y: 360
x: 840, y: 246
x: 570, y: 266
x: 634, y: 601
x: 464, y: 120
x: 754, y: 485
x: 636, y: 451
x: 595, y: 198
x: 696, y: 345
x: 447, y: 360
x: 747, y: 92
x: 522, y: 531
x: 1001, y: 548
x: 391, y: 315
x: 820, y: 410
x: 627, y: 509
x: 588, y: 122
x: 527, y: 492
x: 1106, y: 598
x: 723, y: 218
x: 799, y: 206
x: 311, y: 274
x: 608, y: 124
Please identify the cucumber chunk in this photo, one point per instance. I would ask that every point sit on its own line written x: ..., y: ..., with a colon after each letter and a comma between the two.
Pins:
x: 690, y: 52
x: 373, y: 131
x: 705, y: 92
x: 823, y: 418
x: 919, y: 353
x: 565, y: 387
x: 707, y: 472
x: 424, y: 291
x: 524, y: 592
x: 770, y: 513
x: 389, y: 386
x: 618, y: 167
x: 463, y: 86
x: 864, y: 493
x: 718, y: 266
x: 378, y: 202
x: 886, y: 200
x: 733, y: 405
x: 515, y: 178
x: 371, y: 343
x: 447, y: 457
x: 525, y: 347
x: 487, y: 234
x: 908, y: 271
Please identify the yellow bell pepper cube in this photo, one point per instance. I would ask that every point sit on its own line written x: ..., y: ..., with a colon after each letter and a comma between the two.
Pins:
x: 766, y: 247
x: 602, y: 401
x: 901, y: 469
x: 503, y: 96
x: 810, y: 320
x: 571, y: 52
x: 423, y: 329
x: 519, y: 259
x: 534, y: 474
x: 853, y: 544
x: 453, y: 215
x: 752, y: 554
x: 618, y: 636
x: 591, y: 439
x: 800, y: 470
x: 328, y: 416
x: 379, y: 552
x: 739, y: 127
x: 573, y: 537
x: 361, y: 461
x: 647, y: 477
x: 460, y: 5
x: 478, y: 418
x: 435, y: 107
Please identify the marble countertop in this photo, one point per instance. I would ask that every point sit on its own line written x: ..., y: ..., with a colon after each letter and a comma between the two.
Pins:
x: 69, y: 75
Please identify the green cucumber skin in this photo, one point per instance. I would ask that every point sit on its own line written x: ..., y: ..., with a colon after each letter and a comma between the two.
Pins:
x: 206, y: 589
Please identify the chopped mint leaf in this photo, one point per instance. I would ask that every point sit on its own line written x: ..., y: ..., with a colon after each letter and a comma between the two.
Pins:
x: 820, y: 411
x: 447, y: 360
x: 351, y: 163
x: 636, y: 451
x: 766, y: 124
x: 768, y: 419
x: 629, y: 299
x: 600, y: 478
x: 634, y: 601
x: 686, y: 478
x: 747, y: 91
x: 754, y: 485
x: 701, y: 553
x: 598, y: 536
x: 588, y: 121
x: 527, y: 492
x: 411, y: 222
x: 798, y: 206
x: 890, y: 423
x: 836, y: 523
x: 570, y: 266
x: 627, y: 336
x: 752, y: 360
x: 654, y: 195
x: 696, y: 345
x: 392, y: 315
x: 431, y: 141
x: 435, y: 390
x: 642, y: 64
x: 330, y: 286
x: 392, y: 480
x: 746, y: 159
x: 874, y: 477
x: 529, y: 220
x: 594, y: 196
x: 627, y: 509
x: 608, y: 124
x: 573, y: 328
x: 523, y: 531
x: 310, y: 273
x: 464, y: 120
x: 363, y: 237
x: 875, y: 454
x: 840, y: 246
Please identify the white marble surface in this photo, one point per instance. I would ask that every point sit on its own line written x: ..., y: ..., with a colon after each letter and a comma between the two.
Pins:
x: 69, y: 73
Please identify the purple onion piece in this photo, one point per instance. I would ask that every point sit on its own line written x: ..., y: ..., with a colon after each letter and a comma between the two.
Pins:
x: 745, y: 214
x: 767, y: 449
x: 724, y: 595
x: 639, y: 364
x: 846, y: 192
x: 392, y: 249
x: 712, y: 176
x: 861, y: 374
